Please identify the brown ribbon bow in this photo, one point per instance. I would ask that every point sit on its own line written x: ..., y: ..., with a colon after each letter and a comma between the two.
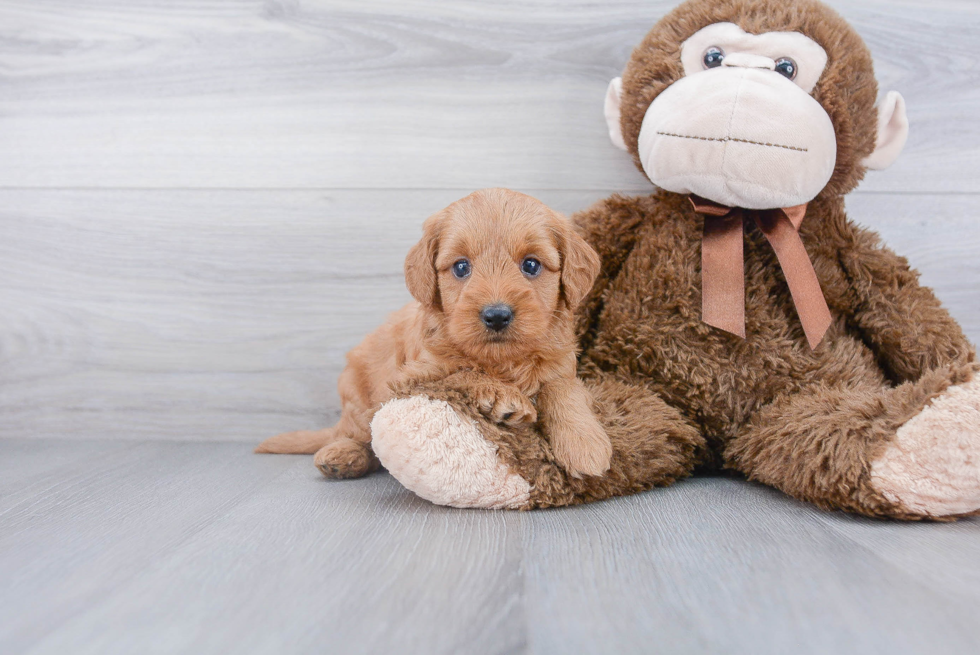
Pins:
x: 722, y: 267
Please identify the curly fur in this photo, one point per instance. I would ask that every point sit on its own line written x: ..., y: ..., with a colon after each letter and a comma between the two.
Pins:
x: 675, y: 393
x: 442, y: 334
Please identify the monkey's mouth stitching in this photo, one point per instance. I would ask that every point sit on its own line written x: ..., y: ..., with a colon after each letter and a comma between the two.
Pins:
x: 731, y: 138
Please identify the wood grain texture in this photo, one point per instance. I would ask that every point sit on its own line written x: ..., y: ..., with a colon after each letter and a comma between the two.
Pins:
x: 204, y: 204
x: 351, y: 94
x: 225, y: 315
x: 206, y: 548
x: 97, y: 514
x: 722, y: 565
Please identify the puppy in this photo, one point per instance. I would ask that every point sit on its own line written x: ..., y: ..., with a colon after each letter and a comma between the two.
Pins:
x: 496, y: 279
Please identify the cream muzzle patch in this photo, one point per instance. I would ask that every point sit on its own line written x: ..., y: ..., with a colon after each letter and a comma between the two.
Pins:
x: 735, y: 129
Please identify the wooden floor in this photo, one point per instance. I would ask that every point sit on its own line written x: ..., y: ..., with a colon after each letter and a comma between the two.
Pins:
x: 204, y: 205
x: 145, y: 547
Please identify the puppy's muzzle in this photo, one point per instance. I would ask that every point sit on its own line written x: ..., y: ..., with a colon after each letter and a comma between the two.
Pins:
x: 497, y: 317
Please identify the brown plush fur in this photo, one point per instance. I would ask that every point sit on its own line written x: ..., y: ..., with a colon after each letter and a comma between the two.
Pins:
x: 675, y: 393
x: 442, y: 334
x: 642, y: 458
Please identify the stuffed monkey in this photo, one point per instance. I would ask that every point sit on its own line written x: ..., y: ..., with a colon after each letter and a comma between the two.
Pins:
x: 740, y: 319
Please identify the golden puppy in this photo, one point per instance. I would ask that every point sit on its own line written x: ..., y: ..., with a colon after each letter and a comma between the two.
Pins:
x: 496, y: 276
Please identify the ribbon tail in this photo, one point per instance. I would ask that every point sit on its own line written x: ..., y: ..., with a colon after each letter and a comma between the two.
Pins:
x: 723, y: 273
x: 811, y: 306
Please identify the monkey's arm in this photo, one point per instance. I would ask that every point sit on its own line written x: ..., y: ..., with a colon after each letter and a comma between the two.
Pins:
x: 901, y: 320
x: 503, y: 403
x: 610, y: 226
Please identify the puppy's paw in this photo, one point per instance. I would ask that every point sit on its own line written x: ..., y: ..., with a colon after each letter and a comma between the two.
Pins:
x: 583, y: 448
x: 498, y: 401
x: 505, y: 404
x: 344, y: 459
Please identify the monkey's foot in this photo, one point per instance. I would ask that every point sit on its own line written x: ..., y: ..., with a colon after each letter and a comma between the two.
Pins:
x: 442, y: 457
x: 933, y: 465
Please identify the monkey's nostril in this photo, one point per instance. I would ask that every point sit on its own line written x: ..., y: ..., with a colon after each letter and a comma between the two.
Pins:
x: 497, y: 317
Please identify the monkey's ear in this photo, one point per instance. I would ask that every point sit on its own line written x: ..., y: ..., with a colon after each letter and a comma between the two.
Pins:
x: 614, y: 99
x: 893, y: 132
x: 579, y: 266
x: 420, y: 263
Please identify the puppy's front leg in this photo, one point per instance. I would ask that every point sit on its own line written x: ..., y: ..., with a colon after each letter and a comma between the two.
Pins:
x: 504, y: 403
x: 579, y: 441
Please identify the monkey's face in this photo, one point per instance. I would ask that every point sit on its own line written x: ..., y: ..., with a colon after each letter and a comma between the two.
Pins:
x: 740, y: 127
x: 737, y: 121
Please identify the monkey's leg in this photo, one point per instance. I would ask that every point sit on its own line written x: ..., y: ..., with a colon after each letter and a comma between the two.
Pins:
x: 861, y: 448
x: 436, y: 444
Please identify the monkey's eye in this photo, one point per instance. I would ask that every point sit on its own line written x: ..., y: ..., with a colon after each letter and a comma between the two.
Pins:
x: 713, y: 57
x: 462, y: 269
x: 786, y: 67
x: 531, y: 267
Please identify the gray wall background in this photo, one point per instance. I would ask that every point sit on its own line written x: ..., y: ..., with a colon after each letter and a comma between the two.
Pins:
x: 204, y: 205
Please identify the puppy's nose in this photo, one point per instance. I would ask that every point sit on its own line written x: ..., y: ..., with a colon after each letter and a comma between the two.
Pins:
x: 497, y: 317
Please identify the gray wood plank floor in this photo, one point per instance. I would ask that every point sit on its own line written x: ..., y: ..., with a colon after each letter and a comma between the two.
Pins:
x: 122, y: 547
x: 204, y: 205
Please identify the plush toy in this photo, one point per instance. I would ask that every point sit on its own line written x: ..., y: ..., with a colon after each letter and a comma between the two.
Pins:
x: 739, y: 320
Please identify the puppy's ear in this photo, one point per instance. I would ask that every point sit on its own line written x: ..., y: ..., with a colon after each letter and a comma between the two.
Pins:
x: 579, y: 265
x: 420, y: 264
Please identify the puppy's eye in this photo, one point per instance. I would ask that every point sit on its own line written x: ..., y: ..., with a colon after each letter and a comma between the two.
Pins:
x: 713, y: 57
x: 462, y: 268
x: 531, y: 267
x: 786, y: 67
